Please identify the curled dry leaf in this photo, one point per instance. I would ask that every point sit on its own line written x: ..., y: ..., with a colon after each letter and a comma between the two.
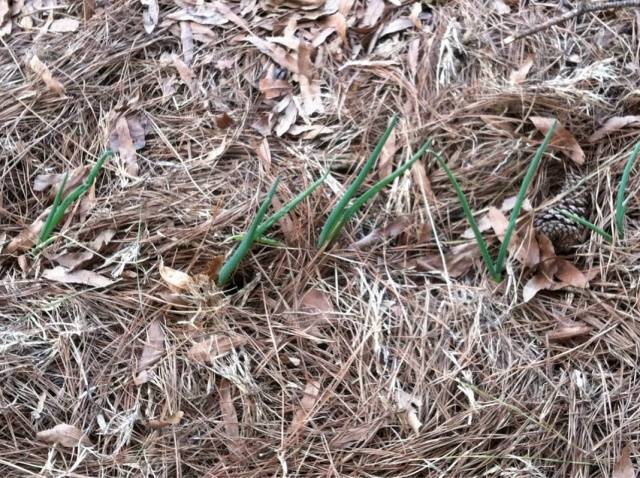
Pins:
x: 624, y: 467
x: 308, y: 401
x: 162, y: 422
x: 520, y: 75
x: 315, y: 309
x: 214, y: 347
x: 150, y: 15
x: 562, y: 138
x: 176, y: 280
x: 45, y: 75
x: 64, y: 435
x: 229, y: 416
x: 151, y: 353
x: 84, y: 277
x: 223, y: 121
x: 612, y: 125
x: 568, y: 331
x: 392, y: 230
x: 28, y: 237
x: 127, y: 136
x: 287, y: 118
x: 273, y: 88
x: 385, y: 164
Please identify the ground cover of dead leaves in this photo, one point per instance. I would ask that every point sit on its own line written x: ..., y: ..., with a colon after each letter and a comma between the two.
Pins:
x: 305, y: 47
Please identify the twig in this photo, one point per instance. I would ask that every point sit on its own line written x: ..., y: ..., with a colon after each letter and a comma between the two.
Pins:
x: 581, y: 9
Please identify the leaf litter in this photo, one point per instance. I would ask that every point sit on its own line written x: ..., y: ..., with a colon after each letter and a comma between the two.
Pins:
x: 276, y: 366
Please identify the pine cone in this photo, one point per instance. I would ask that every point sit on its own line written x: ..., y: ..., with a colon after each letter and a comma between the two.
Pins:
x: 562, y: 231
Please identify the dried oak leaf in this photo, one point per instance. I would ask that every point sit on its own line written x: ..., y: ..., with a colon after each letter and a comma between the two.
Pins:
x: 64, y: 435
x: 562, y: 138
x: 127, y: 136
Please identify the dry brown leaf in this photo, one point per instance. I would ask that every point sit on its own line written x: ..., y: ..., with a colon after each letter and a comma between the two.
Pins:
x: 385, y: 163
x: 570, y: 275
x: 64, y: 435
x: 534, y: 285
x: 276, y: 53
x: 568, y: 331
x: 308, y: 401
x: 562, y: 138
x: 214, y: 347
x: 73, y: 260
x: 305, y: 65
x: 311, y: 97
x: 229, y: 415
x: 176, y: 280
x: 223, y: 121
x: 162, y: 422
x: 127, y: 136
x: 150, y: 15
x: 272, y: 88
x: 612, y: 125
x: 88, y: 9
x: 64, y: 25
x: 375, y: 9
x: 45, y: 75
x: 525, y: 250
x: 395, y: 26
x: 286, y: 119
x: 84, y: 277
x: 390, y: 231
x: 520, y: 75
x: 29, y: 236
x: 623, y: 468
x: 309, y: 131
x: 151, y: 353
x: 316, y: 308
x: 102, y: 239
x: 185, y: 73
x: 213, y: 267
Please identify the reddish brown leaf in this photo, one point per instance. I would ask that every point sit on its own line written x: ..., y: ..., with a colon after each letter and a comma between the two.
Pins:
x: 214, y: 347
x: 612, y: 125
x: 562, y: 138
x: 122, y: 142
x: 45, y: 75
x: 570, y: 275
x: 151, y: 353
x: 624, y: 467
x: 229, y: 416
x: 223, y: 121
x: 64, y: 435
x: 272, y: 88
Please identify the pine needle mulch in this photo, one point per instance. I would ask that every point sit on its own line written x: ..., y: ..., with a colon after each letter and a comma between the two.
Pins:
x: 390, y: 353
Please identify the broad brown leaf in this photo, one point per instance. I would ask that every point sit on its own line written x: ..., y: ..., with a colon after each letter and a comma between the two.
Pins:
x: 562, y: 138
x: 154, y: 349
x: 176, y: 280
x: 624, y: 467
x: 84, y: 277
x: 43, y: 72
x: 612, y: 125
x: 64, y: 435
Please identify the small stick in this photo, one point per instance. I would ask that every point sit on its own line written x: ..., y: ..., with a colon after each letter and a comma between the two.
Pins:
x: 579, y: 10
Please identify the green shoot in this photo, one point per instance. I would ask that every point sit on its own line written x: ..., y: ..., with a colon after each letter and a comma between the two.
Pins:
x: 375, y: 189
x: 231, y: 264
x: 620, y: 200
x: 60, y: 207
x: 531, y: 171
x: 266, y: 225
x: 482, y: 244
x: 335, y: 219
x: 583, y: 222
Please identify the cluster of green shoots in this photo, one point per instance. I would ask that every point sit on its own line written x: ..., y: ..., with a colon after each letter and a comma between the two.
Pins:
x: 347, y: 206
x: 496, y: 267
x: 341, y: 214
x: 60, y: 206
